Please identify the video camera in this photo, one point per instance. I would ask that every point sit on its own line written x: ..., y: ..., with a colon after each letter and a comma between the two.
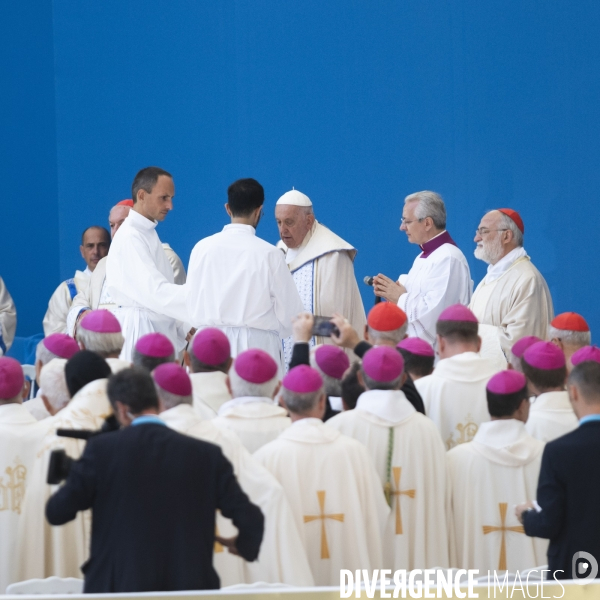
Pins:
x: 60, y: 461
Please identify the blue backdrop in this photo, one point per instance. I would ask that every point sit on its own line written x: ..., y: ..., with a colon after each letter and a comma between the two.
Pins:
x: 355, y: 103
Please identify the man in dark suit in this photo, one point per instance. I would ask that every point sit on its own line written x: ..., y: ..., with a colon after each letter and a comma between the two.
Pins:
x: 569, y: 486
x: 153, y: 494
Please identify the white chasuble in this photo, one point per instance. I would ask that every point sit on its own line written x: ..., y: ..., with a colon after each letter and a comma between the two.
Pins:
x: 8, y: 319
x: 210, y: 392
x: 511, y: 302
x: 410, y: 458
x: 240, y: 284
x: 551, y: 416
x: 20, y: 435
x: 326, y: 283
x: 139, y: 279
x: 487, y: 478
x: 335, y: 494
x: 55, y: 319
x: 455, y: 398
x: 46, y: 550
x: 256, y: 421
x: 282, y: 558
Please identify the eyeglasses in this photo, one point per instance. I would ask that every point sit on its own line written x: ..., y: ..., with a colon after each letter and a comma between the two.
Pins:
x: 403, y: 221
x: 484, y: 231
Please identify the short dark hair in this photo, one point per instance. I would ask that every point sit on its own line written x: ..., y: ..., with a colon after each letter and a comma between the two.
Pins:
x: 245, y: 196
x: 421, y: 366
x: 504, y: 405
x: 200, y: 367
x: 149, y: 363
x: 457, y: 331
x: 146, y: 180
x: 106, y: 233
x: 586, y: 376
x: 351, y: 387
x: 84, y: 367
x: 133, y: 387
x: 544, y: 379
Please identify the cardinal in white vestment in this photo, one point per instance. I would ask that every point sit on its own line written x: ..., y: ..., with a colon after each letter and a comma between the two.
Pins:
x: 551, y: 413
x: 513, y: 299
x: 410, y: 459
x: 95, y: 295
x: 239, y: 283
x: 8, y: 319
x: 46, y: 551
x: 321, y: 264
x: 487, y: 477
x: 20, y: 434
x: 440, y: 275
x: 331, y: 483
x: 252, y: 413
x: 209, y: 360
x: 454, y: 394
x: 570, y: 332
x: 282, y: 558
x: 139, y: 277
x: 94, y: 247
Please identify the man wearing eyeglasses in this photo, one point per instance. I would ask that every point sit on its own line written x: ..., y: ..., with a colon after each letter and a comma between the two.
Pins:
x: 513, y: 300
x: 440, y: 275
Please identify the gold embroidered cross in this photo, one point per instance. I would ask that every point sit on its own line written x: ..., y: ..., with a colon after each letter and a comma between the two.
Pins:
x: 503, y: 528
x: 397, y: 471
x: 322, y: 516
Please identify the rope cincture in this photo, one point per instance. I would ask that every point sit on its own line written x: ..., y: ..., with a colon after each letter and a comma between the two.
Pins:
x: 387, y: 488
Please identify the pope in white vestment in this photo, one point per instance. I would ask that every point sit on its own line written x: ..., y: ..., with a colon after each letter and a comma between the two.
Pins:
x: 8, y: 319
x: 321, y: 263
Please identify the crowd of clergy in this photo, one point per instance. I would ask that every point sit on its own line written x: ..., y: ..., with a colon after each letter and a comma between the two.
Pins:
x: 403, y: 440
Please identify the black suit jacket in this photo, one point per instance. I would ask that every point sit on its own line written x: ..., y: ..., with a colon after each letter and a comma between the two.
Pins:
x: 569, y: 495
x: 153, y: 494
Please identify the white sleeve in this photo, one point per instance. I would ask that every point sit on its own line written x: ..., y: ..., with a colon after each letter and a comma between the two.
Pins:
x: 55, y: 319
x: 284, y: 295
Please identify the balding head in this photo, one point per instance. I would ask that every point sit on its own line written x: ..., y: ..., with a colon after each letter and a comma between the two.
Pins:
x: 116, y: 217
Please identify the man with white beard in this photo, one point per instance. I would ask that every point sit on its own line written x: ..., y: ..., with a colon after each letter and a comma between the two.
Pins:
x: 513, y: 299
x: 282, y: 558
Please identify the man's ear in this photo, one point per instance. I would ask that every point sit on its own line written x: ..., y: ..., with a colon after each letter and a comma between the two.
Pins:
x: 366, y: 333
x: 360, y: 378
x: 277, y: 390
x: 228, y: 210
x: 81, y: 252
x: 228, y: 364
x: 228, y: 384
x: 403, y: 379
x: 47, y: 404
x: 186, y: 359
x: 478, y: 343
x: 441, y: 344
x: 558, y: 342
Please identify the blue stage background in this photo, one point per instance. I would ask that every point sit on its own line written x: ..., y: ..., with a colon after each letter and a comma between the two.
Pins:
x: 355, y: 103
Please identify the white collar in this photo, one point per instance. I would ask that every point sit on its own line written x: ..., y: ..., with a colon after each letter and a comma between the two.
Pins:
x: 230, y: 405
x: 558, y: 400
x: 140, y: 222
x: 87, y: 272
x: 389, y: 405
x: 310, y: 430
x: 241, y: 227
x: 291, y: 253
x: 506, y: 262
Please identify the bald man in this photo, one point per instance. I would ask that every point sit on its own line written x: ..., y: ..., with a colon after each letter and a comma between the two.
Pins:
x: 95, y: 295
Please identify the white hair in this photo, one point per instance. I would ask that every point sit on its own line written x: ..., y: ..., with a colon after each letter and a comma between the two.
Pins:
x: 301, y: 404
x: 100, y: 343
x: 507, y: 223
x: 171, y: 400
x: 42, y: 354
x: 515, y: 361
x: 430, y: 205
x: 372, y: 384
x: 394, y: 335
x: 241, y: 388
x: 573, y: 338
x: 333, y: 386
x: 54, y: 383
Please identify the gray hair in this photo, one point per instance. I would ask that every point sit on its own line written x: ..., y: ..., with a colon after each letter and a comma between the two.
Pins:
x: 371, y: 384
x: 241, y: 388
x: 43, y: 354
x: 574, y: 338
x: 395, y: 335
x: 332, y: 386
x: 171, y: 400
x: 430, y: 205
x: 149, y: 362
x: 301, y: 404
x: 54, y: 383
x: 100, y: 343
x: 507, y: 223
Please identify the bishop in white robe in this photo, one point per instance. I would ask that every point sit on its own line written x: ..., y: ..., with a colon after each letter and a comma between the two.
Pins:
x: 454, y: 394
x: 331, y: 483
x: 20, y: 434
x: 513, y: 300
x: 410, y: 459
x: 282, y: 558
x: 8, y: 319
x: 44, y: 550
x: 321, y: 263
x: 252, y: 413
x: 55, y: 319
x: 487, y: 477
x: 439, y: 276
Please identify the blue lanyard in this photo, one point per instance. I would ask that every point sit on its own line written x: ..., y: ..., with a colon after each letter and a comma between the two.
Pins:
x: 148, y: 419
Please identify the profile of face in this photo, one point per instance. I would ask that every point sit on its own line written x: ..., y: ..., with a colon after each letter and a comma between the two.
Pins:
x: 417, y: 230
x: 489, y: 238
x: 293, y: 222
x: 155, y: 205
x: 116, y: 217
x: 95, y: 246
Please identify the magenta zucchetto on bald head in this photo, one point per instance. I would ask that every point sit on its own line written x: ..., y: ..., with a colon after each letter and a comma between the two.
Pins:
x: 100, y: 321
x: 211, y: 347
x: 303, y: 380
x: 61, y: 344
x: 507, y: 382
x: 383, y: 364
x: 544, y: 356
x: 173, y: 379
x: 255, y: 366
x: 156, y: 345
x: 333, y: 361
